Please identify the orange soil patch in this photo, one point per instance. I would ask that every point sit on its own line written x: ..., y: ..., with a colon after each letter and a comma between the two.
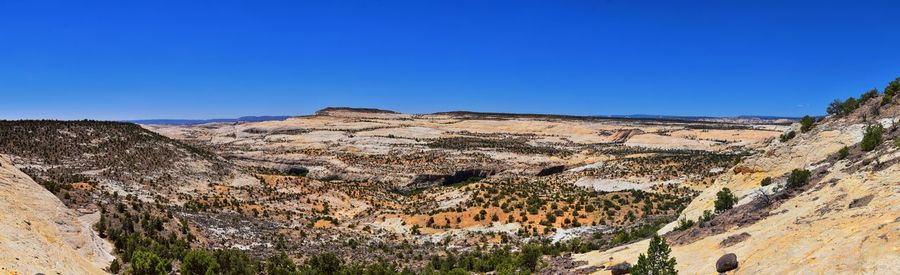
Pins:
x: 323, y: 224
x: 84, y: 186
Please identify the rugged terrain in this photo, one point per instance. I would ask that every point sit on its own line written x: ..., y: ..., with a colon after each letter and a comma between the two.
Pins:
x: 38, y: 233
x: 405, y: 188
x: 845, y: 221
x: 465, y: 179
x: 372, y: 189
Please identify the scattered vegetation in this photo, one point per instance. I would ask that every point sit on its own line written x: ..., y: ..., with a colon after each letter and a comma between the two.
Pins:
x: 841, y: 108
x: 153, y: 235
x: 515, y: 145
x: 864, y: 97
x: 684, y: 223
x: 872, y: 138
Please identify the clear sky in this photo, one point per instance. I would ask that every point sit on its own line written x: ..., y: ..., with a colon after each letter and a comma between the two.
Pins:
x: 210, y: 59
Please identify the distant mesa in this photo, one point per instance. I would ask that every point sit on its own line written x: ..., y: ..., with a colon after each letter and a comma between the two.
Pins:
x: 483, y: 115
x: 204, y: 121
x: 496, y: 115
x: 329, y: 110
x: 687, y: 119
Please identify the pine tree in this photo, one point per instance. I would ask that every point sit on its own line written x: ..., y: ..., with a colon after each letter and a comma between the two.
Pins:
x: 724, y: 200
x: 657, y: 261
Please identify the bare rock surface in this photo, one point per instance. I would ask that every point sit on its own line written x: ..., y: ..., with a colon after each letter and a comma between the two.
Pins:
x: 845, y: 221
x: 38, y: 234
x: 727, y: 262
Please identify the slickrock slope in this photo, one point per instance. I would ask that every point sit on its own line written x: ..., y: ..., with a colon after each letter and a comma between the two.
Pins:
x: 38, y: 234
x: 845, y: 221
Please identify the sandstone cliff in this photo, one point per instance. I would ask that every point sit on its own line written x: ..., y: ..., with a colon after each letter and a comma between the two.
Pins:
x: 38, y: 234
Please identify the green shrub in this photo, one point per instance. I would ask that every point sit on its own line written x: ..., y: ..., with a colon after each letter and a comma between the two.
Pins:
x: 235, y: 262
x: 798, y: 178
x: 872, y: 138
x: 892, y: 88
x: 657, y: 260
x: 148, y: 263
x: 787, y: 136
x: 198, y: 262
x: 843, y: 153
x: 280, y: 265
x: 766, y: 181
x: 531, y: 254
x: 326, y: 263
x: 873, y: 93
x: 114, y: 267
x: 724, y: 200
x: 551, y: 218
x: 807, y: 123
x: 842, y: 108
x: 683, y: 224
x: 707, y: 216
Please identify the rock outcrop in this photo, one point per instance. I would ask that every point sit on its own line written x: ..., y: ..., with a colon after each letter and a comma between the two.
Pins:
x: 845, y: 221
x: 38, y: 234
x: 727, y: 262
x: 619, y: 269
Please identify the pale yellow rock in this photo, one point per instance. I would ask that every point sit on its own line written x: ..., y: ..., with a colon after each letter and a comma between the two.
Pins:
x: 778, y: 159
x: 38, y: 234
x: 816, y: 232
x: 861, y: 240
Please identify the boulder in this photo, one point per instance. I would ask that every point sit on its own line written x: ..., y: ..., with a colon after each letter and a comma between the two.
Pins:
x: 727, y: 262
x: 619, y: 269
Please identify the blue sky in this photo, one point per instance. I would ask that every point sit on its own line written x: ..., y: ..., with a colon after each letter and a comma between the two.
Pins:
x: 209, y: 59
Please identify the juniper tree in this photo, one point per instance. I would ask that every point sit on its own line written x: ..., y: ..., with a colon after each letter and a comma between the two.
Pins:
x: 724, y: 200
x: 872, y: 138
x: 657, y: 260
x: 807, y: 123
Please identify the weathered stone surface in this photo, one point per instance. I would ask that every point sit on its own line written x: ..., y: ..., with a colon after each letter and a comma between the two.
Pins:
x: 855, y: 235
x: 727, y: 262
x: 39, y: 234
x: 620, y: 268
x: 734, y: 239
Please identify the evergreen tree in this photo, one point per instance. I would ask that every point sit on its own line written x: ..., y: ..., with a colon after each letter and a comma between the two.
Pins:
x: 280, y: 265
x: 893, y: 87
x: 657, y: 260
x: 327, y: 263
x: 725, y: 200
x: 807, y: 123
x: 872, y: 138
x: 798, y: 177
x: 148, y: 263
x: 235, y: 262
x: 198, y: 262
